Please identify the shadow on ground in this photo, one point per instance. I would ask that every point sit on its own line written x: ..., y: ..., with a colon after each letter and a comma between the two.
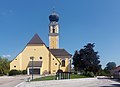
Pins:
x: 117, y: 80
x: 112, y: 85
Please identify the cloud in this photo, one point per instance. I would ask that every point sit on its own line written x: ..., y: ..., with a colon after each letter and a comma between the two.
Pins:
x: 6, y: 56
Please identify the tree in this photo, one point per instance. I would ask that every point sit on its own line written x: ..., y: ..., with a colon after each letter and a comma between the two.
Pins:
x: 4, y: 65
x: 87, y: 59
x: 76, y: 61
x: 110, y: 65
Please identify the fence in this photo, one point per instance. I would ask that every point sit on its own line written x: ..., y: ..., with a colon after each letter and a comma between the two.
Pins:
x: 62, y: 75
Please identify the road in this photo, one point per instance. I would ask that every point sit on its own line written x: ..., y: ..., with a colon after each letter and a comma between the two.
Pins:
x: 11, y: 81
x: 85, y: 82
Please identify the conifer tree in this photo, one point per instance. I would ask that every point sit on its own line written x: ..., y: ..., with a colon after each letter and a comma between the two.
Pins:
x: 87, y: 59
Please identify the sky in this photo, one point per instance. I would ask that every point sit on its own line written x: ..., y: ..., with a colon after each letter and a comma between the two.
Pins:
x: 81, y: 22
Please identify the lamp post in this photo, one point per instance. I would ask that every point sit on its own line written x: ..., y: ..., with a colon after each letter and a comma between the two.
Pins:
x: 32, y: 58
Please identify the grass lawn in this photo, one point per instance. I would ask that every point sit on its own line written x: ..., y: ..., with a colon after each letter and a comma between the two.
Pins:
x: 45, y: 78
x: 72, y: 76
x: 1, y: 75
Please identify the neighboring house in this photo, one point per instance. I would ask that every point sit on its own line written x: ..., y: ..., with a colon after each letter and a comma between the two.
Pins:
x: 116, y: 72
x: 41, y: 59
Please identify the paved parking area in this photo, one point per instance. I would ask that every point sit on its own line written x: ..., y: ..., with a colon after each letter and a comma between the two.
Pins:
x: 85, y: 82
x: 19, y: 81
x: 11, y: 81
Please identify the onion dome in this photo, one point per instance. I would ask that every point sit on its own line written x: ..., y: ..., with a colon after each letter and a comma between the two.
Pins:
x: 54, y: 17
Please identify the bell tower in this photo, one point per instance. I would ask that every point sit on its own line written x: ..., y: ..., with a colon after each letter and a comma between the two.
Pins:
x: 54, y: 31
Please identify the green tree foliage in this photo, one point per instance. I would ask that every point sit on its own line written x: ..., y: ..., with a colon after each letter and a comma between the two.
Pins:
x: 110, y: 65
x: 87, y: 59
x: 76, y: 61
x: 4, y: 65
x: 104, y: 72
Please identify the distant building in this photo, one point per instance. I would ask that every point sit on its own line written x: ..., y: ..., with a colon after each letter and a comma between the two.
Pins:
x: 46, y: 60
x: 116, y: 72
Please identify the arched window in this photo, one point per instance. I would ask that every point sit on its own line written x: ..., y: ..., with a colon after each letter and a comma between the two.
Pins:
x: 53, y: 30
x: 63, y: 63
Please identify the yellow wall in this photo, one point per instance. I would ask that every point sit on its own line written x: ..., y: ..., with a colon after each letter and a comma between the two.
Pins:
x: 65, y: 69
x: 54, y: 67
x: 29, y: 51
x: 16, y: 62
x: 48, y: 60
x: 53, y: 42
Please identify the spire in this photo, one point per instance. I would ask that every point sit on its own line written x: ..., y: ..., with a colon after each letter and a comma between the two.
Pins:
x: 54, y: 17
x: 36, y: 40
x: 54, y: 30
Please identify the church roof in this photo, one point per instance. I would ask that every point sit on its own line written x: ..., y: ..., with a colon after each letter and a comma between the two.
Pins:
x: 36, y: 40
x: 60, y: 53
x: 35, y: 64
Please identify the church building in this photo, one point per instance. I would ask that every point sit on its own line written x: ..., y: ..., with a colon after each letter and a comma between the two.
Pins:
x: 39, y: 58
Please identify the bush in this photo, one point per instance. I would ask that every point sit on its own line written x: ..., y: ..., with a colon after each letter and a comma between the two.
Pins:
x: 24, y: 72
x: 89, y: 74
x: 15, y: 72
x: 59, y: 71
x: 104, y: 73
x: 75, y: 72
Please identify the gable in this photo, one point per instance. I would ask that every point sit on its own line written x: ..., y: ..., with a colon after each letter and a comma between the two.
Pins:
x: 36, y: 40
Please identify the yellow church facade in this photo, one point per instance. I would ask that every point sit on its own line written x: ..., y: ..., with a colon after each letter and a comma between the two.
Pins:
x: 39, y: 58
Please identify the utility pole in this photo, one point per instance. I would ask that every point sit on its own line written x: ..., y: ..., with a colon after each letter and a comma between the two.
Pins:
x: 32, y: 58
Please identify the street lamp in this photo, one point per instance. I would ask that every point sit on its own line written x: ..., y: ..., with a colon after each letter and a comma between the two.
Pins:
x: 32, y: 58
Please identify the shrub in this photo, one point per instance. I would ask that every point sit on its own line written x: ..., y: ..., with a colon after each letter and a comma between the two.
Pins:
x: 104, y: 73
x: 75, y: 72
x: 15, y: 72
x: 59, y: 71
x: 24, y: 72
x: 89, y: 74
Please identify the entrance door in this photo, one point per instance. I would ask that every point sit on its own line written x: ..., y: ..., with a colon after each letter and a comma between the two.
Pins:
x: 35, y: 71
